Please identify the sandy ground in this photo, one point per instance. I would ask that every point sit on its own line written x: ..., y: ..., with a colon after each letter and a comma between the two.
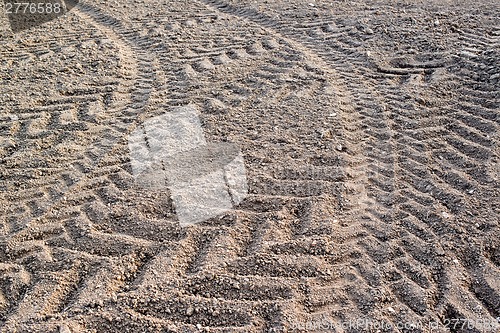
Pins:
x: 369, y: 135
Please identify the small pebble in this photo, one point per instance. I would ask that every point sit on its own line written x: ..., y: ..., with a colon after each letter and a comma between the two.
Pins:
x: 64, y: 329
x: 189, y: 311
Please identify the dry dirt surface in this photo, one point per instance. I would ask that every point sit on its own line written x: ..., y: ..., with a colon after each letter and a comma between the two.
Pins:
x: 369, y: 132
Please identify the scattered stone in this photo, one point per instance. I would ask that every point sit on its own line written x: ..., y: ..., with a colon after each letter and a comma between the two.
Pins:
x: 64, y: 329
x: 190, y: 23
x: 189, y: 311
x: 215, y: 106
x: 440, y: 251
x: 445, y: 215
x: 325, y: 133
